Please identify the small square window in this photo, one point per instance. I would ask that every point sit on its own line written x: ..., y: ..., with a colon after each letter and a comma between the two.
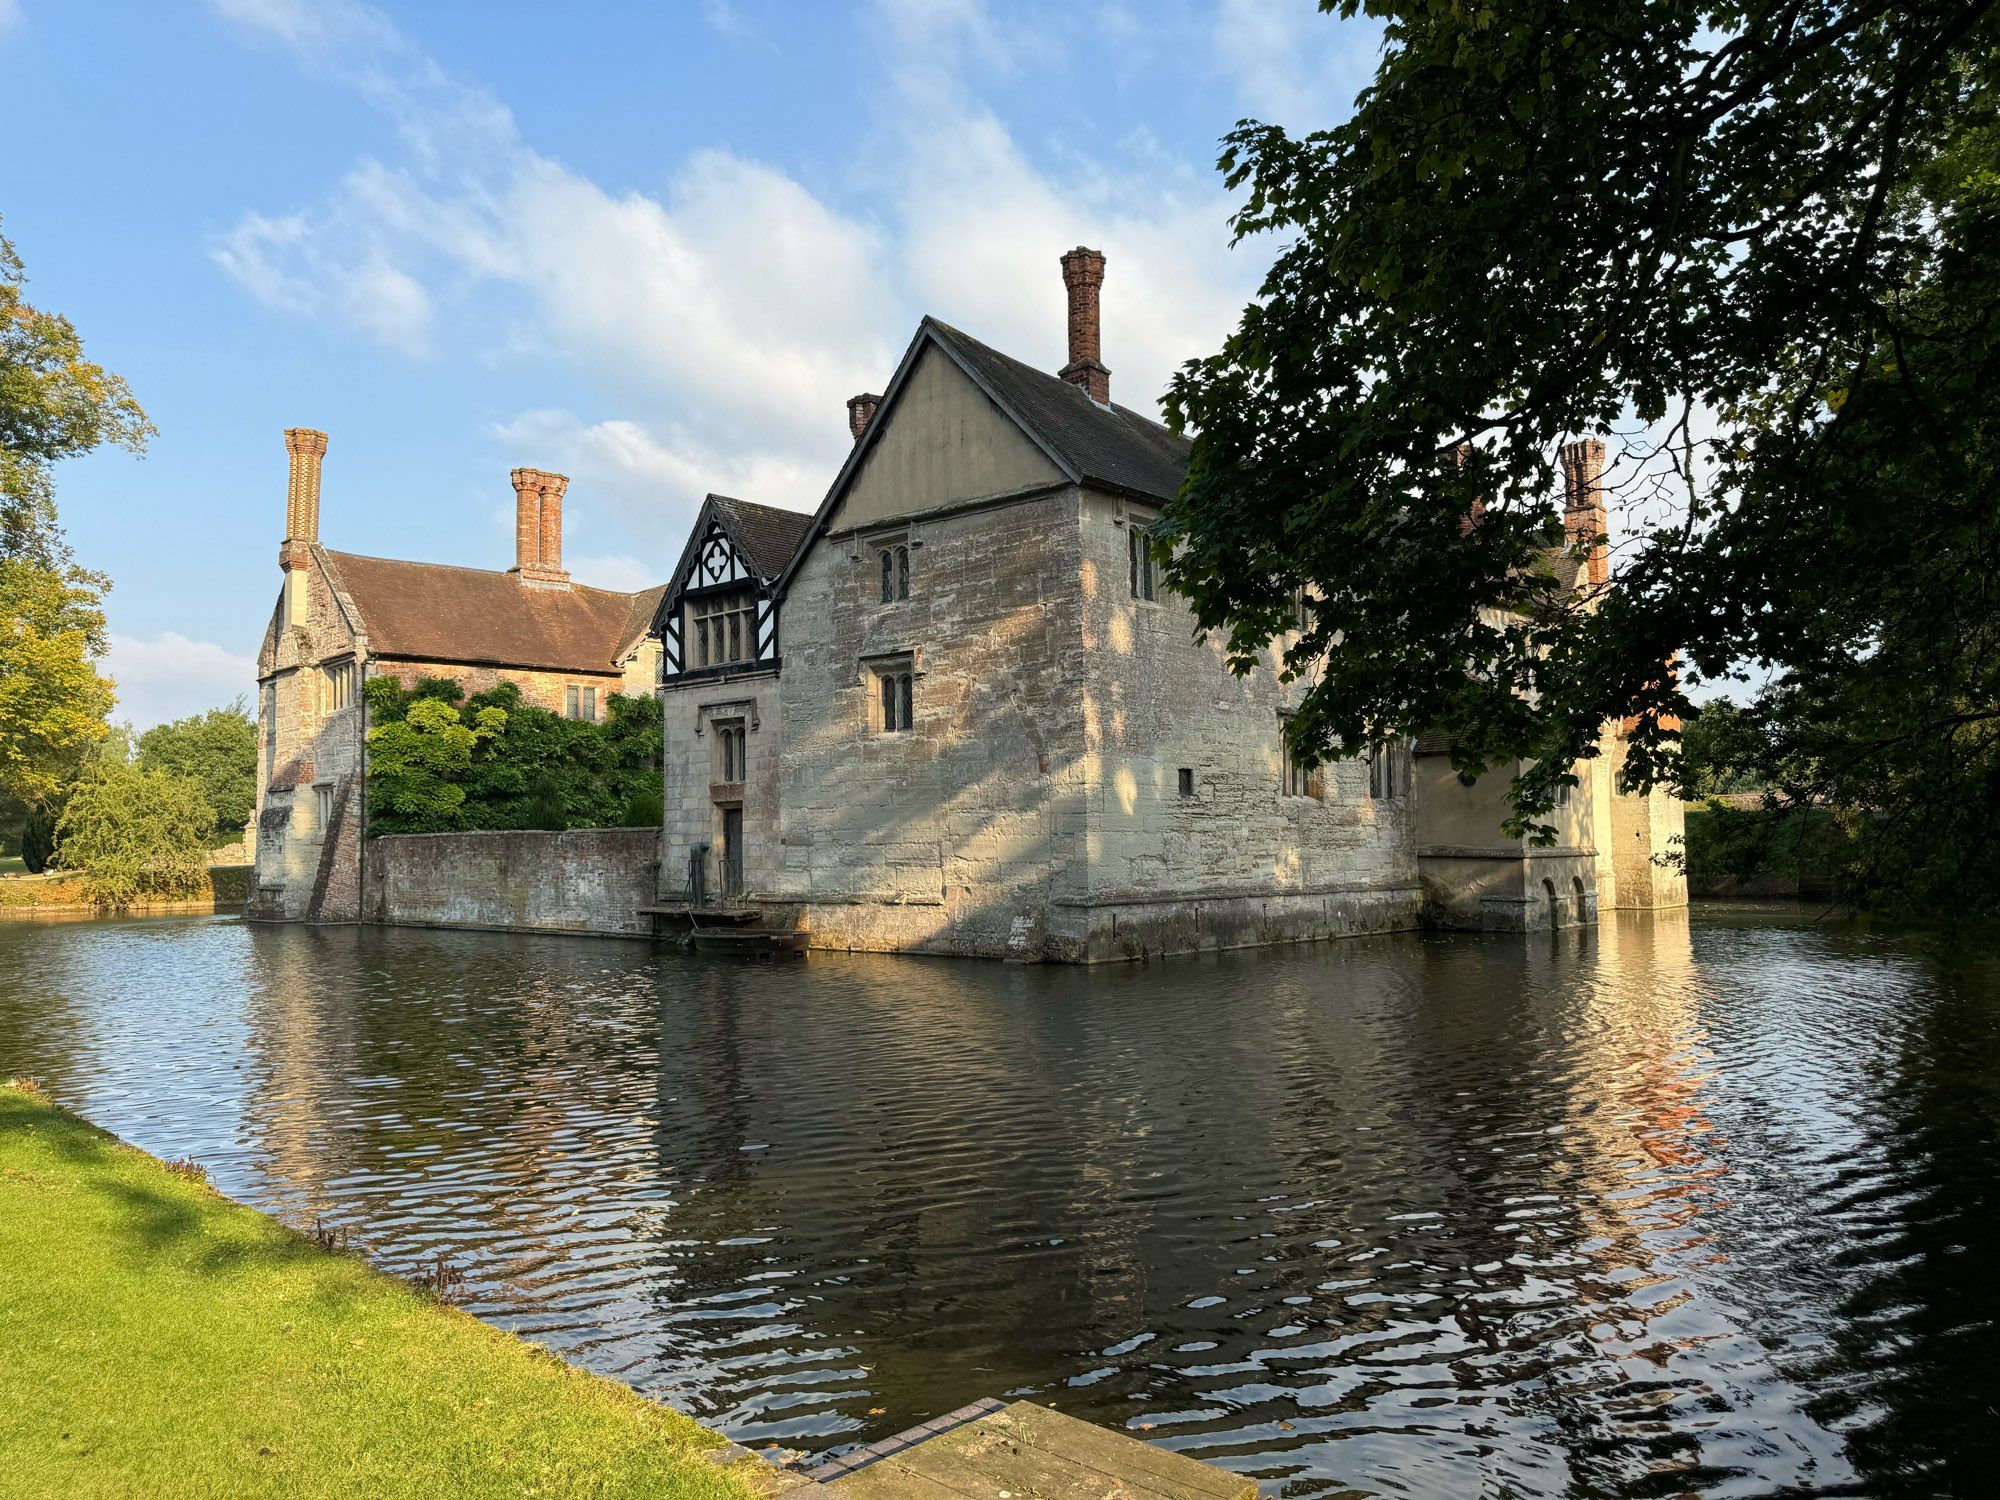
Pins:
x: 1187, y: 781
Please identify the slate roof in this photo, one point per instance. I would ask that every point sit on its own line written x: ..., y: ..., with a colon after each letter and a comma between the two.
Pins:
x: 438, y: 612
x: 1114, y: 446
x: 768, y: 534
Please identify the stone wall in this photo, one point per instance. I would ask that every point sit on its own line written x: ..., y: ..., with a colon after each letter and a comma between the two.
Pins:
x: 1237, y: 859
x: 942, y: 838
x: 589, y: 880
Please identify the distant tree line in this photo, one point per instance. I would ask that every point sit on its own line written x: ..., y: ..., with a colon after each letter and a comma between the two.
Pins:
x: 439, y: 761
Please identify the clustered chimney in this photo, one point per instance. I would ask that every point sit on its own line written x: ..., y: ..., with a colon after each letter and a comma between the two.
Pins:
x: 1083, y: 274
x: 1584, y: 518
x: 860, y: 412
x: 538, y: 498
x: 307, y: 448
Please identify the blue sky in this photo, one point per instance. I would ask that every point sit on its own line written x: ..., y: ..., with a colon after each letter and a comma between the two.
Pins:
x: 654, y: 246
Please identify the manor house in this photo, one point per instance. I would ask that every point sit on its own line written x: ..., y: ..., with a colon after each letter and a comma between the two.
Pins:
x: 955, y: 710
x: 342, y: 618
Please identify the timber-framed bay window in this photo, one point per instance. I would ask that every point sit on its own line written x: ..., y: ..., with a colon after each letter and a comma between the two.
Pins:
x: 722, y: 628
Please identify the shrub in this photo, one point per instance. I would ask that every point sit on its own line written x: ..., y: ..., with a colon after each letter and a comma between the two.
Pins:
x: 218, y: 750
x: 135, y: 834
x: 440, y: 760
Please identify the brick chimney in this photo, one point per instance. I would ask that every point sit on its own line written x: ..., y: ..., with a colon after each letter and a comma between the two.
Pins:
x: 538, y: 499
x: 861, y: 411
x: 307, y: 448
x: 1083, y: 274
x: 1585, y: 520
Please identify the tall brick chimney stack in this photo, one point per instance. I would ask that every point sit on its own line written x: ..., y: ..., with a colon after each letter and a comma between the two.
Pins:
x: 1083, y: 274
x: 1585, y: 520
x: 307, y: 448
x: 538, y: 499
x: 861, y: 411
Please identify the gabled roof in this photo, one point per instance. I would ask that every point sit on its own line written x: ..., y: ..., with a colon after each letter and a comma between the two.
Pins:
x: 438, y: 612
x: 1112, y: 447
x: 766, y: 535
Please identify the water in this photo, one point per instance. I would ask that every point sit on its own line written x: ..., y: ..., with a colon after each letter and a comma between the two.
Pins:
x: 1681, y: 1208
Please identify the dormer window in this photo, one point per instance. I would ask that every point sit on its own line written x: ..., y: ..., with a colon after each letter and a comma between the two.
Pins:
x: 723, y: 628
x: 895, y: 573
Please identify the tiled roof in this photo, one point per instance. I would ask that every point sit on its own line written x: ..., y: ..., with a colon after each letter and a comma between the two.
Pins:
x: 1113, y: 445
x: 768, y: 534
x: 437, y: 612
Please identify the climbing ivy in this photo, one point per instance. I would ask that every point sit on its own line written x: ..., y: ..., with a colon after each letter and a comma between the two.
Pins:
x: 440, y: 761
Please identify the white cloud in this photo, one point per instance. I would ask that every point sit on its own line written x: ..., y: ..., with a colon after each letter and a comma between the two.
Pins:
x: 1292, y: 64
x: 735, y: 310
x: 170, y: 676
x: 10, y: 15
x: 618, y: 571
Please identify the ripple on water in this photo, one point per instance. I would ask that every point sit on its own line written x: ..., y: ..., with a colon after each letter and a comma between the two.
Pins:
x: 1682, y: 1208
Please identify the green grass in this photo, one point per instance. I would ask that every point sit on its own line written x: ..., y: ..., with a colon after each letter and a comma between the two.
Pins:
x: 161, y: 1340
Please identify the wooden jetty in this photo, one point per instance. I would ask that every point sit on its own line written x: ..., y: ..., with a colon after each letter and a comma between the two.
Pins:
x: 1022, y: 1451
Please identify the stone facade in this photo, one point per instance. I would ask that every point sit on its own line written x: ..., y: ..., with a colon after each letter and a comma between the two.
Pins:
x: 988, y: 733
x: 307, y: 828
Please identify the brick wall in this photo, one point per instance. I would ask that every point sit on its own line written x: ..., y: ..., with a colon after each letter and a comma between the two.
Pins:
x: 586, y: 880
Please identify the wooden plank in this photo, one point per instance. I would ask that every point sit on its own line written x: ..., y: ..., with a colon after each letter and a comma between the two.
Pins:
x: 1032, y: 1453
x: 1117, y: 1452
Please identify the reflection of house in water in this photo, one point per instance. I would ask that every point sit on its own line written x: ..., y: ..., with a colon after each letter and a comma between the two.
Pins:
x: 956, y: 710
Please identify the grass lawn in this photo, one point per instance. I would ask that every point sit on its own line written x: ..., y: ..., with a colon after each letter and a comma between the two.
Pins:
x: 157, y: 1339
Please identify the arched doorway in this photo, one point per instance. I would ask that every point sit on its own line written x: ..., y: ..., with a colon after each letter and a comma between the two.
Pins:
x: 1582, y: 902
x: 1555, y: 906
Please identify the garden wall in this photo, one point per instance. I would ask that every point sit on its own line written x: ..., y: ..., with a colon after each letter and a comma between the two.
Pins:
x: 592, y: 880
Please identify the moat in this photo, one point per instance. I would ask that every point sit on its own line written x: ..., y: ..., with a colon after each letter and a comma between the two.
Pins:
x: 1683, y: 1206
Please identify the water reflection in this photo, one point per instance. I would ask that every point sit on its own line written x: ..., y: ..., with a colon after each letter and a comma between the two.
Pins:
x: 1672, y: 1209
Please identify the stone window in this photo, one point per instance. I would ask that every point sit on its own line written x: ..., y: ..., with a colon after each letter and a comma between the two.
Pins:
x: 723, y: 627
x: 323, y: 805
x: 270, y: 728
x: 1139, y: 559
x: 1186, y: 778
x: 580, y: 703
x: 730, y: 751
x: 1302, y: 778
x: 338, y: 690
x: 1389, y: 772
x: 895, y: 573
x: 895, y: 685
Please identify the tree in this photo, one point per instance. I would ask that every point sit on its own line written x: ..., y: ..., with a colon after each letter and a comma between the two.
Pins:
x: 38, y: 839
x: 54, y: 404
x: 136, y: 834
x: 217, y: 751
x: 53, y: 703
x: 1763, y: 238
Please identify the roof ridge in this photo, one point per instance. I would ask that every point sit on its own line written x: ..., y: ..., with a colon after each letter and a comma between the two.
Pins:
x: 1049, y: 375
x: 412, y: 562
